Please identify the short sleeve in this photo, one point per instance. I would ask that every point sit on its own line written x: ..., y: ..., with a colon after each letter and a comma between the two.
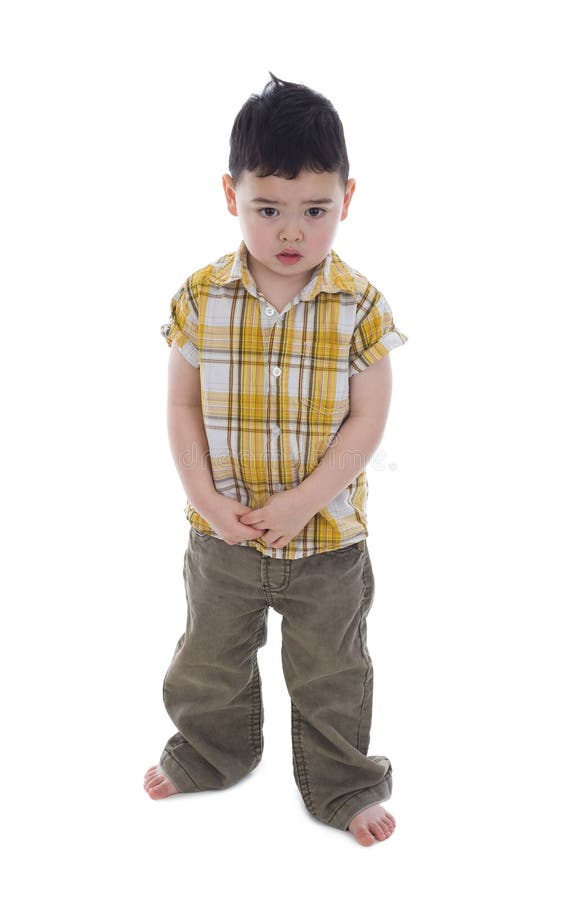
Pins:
x: 374, y: 334
x: 183, y: 325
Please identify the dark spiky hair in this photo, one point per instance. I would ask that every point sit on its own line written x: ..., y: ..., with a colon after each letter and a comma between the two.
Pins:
x: 285, y: 130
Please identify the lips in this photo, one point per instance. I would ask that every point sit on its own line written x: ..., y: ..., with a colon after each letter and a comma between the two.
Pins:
x: 289, y: 253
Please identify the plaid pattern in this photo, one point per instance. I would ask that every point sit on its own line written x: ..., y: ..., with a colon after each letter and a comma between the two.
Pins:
x: 275, y: 385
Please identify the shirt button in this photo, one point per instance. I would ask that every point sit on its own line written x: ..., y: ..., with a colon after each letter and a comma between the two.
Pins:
x: 275, y: 430
x: 276, y: 371
x: 278, y: 487
x: 270, y: 310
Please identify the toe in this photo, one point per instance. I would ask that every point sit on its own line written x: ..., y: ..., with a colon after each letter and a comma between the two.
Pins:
x: 157, y: 791
x: 155, y: 781
x: 365, y: 837
x: 378, y: 831
x: 152, y: 775
x: 388, y: 821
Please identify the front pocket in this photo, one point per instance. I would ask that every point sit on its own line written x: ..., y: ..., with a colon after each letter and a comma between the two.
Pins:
x: 351, y: 548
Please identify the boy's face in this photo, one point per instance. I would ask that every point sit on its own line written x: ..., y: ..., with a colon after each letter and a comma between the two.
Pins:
x: 290, y: 214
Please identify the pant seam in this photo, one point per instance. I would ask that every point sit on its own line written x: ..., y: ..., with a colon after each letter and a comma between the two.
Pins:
x: 367, y: 659
x: 178, y: 763
x: 256, y: 719
x: 374, y: 790
x: 299, y: 760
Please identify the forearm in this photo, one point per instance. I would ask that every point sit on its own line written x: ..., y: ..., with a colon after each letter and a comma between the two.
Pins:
x: 349, y: 453
x: 190, y: 451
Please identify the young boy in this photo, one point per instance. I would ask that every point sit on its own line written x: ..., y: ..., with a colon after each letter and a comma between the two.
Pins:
x: 279, y: 389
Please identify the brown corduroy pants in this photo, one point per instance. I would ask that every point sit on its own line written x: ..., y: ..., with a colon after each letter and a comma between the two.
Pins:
x: 212, y: 689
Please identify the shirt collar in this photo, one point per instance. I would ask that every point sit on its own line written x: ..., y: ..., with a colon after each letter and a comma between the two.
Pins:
x: 330, y: 276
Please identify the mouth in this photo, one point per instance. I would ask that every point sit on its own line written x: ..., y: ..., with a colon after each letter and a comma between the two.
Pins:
x: 289, y: 255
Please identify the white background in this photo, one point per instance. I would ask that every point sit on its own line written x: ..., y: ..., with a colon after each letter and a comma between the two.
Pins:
x: 459, y: 123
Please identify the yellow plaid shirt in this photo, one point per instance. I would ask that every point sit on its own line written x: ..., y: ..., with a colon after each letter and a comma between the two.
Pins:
x: 275, y: 385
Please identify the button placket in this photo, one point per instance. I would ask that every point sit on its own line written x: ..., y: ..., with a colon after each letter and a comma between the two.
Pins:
x: 274, y: 316
x: 275, y: 372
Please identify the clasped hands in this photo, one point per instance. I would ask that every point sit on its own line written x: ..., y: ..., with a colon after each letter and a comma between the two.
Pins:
x: 279, y: 520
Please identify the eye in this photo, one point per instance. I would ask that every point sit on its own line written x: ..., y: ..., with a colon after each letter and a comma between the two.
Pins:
x: 267, y: 209
x: 317, y: 209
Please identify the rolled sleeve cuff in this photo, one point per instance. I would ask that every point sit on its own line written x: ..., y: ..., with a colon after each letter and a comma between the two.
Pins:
x: 172, y: 332
x: 390, y: 340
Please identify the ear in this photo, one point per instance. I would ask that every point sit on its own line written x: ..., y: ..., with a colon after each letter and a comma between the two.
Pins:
x: 230, y: 192
x: 349, y: 191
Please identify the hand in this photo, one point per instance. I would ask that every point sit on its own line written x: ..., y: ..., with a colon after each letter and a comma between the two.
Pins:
x: 282, y: 517
x: 223, y: 514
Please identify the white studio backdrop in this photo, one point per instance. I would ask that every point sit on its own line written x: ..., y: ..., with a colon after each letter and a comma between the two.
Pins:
x: 459, y: 126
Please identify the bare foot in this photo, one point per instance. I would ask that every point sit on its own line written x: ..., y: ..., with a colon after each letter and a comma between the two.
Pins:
x: 158, y: 785
x: 371, y: 824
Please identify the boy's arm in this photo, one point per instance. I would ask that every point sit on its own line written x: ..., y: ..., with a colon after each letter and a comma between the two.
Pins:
x: 187, y: 435
x: 356, y: 440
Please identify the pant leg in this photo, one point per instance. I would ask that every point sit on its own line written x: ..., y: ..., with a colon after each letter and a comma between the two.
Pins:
x: 212, y: 689
x: 329, y: 675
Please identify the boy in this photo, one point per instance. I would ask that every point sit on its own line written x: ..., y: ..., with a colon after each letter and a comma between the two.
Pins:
x: 279, y: 389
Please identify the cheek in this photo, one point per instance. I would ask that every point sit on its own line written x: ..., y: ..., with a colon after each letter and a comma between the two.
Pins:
x: 259, y: 237
x: 259, y: 226
x: 320, y: 236
x: 255, y: 231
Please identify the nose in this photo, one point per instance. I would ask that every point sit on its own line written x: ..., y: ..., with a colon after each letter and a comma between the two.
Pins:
x: 290, y: 231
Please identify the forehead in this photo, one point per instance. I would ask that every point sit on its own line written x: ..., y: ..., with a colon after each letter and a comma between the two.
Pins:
x: 305, y: 187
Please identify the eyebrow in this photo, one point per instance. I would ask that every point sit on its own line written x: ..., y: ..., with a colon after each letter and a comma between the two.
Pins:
x: 279, y: 202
